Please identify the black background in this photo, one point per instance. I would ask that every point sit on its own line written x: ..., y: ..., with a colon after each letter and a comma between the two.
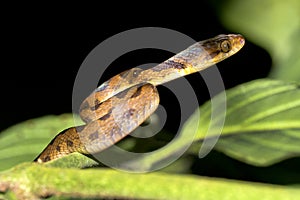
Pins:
x: 44, y: 47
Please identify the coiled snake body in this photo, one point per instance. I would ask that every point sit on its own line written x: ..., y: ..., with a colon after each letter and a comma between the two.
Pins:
x: 122, y: 103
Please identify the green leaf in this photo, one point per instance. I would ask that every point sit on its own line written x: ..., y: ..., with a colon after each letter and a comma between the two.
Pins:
x: 23, y: 142
x: 273, y: 25
x: 261, y: 128
x: 32, y: 181
x: 262, y: 124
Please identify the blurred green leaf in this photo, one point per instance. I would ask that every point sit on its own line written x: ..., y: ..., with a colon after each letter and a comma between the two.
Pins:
x: 274, y: 25
x: 32, y: 181
x: 24, y: 141
x: 261, y: 128
x: 262, y: 123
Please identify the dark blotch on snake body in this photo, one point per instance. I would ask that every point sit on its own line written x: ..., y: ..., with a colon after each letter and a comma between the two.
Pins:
x: 169, y: 64
x: 209, y: 45
x: 129, y: 113
x: 47, y: 158
x: 94, y: 136
x: 97, y: 104
x: 115, y: 132
x: 57, y: 148
x: 177, y: 65
x: 137, y: 93
x: 79, y: 128
x: 70, y: 143
x: 121, y: 94
x: 84, y: 106
x: 214, y: 54
x: 106, y: 116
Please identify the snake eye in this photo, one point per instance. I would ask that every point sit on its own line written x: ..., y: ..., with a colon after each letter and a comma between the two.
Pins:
x: 225, y: 46
x: 136, y: 72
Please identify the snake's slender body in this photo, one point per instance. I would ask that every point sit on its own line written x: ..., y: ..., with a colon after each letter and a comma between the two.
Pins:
x: 122, y: 103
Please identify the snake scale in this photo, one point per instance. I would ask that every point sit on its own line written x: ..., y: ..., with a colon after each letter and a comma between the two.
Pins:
x: 125, y: 101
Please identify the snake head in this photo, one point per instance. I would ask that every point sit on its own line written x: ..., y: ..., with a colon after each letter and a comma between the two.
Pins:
x: 221, y: 47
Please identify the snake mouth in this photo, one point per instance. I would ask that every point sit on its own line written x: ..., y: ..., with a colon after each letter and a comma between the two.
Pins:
x: 241, y: 40
x: 238, y: 41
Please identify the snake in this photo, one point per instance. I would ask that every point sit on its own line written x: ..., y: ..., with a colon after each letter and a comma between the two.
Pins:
x: 122, y: 103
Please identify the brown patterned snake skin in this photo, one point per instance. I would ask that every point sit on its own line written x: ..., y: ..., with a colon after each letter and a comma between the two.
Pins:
x: 122, y: 103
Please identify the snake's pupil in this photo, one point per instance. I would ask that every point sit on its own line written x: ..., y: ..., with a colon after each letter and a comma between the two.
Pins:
x: 225, y: 46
